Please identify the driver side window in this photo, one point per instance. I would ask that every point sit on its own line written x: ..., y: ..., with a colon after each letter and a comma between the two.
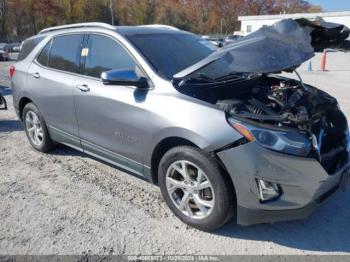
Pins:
x: 105, y: 54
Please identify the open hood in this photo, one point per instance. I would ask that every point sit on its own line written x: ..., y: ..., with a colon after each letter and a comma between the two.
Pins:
x: 325, y: 34
x: 283, y: 46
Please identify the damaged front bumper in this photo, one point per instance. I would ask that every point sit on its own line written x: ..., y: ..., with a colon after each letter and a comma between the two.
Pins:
x: 304, y: 183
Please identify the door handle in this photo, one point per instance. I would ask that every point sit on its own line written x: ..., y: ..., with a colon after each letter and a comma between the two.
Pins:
x: 83, y: 88
x: 36, y: 75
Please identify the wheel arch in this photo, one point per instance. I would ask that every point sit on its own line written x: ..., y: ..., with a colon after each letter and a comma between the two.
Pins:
x: 161, y: 148
x: 21, y: 104
x: 167, y: 143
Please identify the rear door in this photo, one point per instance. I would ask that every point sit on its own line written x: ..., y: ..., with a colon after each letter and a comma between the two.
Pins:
x: 51, y: 79
x: 107, y: 114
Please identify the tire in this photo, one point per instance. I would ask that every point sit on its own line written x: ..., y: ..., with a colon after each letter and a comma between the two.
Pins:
x: 33, y: 120
x: 218, y: 196
x: 3, y: 103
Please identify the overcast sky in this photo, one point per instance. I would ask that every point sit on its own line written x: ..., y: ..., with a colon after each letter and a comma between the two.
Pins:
x: 333, y: 5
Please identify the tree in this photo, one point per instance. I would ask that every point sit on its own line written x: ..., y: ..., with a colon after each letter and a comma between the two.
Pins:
x: 22, y: 18
x: 3, y: 20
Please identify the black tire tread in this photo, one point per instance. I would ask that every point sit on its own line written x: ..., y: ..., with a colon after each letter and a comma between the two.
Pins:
x: 209, y: 162
x: 48, y: 144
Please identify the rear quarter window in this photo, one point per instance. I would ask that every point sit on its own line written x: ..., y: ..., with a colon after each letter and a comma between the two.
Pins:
x: 43, y: 58
x: 28, y: 46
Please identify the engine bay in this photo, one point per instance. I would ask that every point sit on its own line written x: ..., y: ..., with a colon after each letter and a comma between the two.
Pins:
x: 280, y: 103
x: 290, y: 103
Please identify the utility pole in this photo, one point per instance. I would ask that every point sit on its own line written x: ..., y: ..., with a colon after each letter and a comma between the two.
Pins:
x: 112, y: 12
x: 222, y: 22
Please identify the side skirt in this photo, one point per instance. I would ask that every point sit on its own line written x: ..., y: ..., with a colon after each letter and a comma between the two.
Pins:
x: 101, y: 153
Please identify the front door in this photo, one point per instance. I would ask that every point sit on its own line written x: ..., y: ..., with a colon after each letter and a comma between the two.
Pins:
x: 107, y: 114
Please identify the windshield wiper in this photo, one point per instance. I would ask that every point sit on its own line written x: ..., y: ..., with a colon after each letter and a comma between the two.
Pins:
x: 236, y: 76
x: 204, y: 79
x: 201, y: 79
x: 231, y: 76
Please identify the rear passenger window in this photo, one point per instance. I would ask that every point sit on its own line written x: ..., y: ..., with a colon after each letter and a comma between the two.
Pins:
x: 65, y: 52
x: 106, y: 54
x: 43, y: 58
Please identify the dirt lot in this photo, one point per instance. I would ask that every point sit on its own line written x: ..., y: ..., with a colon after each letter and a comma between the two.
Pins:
x: 68, y: 203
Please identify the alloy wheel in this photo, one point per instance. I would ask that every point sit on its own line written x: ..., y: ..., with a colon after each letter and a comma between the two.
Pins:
x: 190, y: 189
x: 34, y: 128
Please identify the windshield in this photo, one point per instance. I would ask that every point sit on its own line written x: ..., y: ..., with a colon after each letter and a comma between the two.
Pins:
x: 219, y: 71
x: 171, y: 53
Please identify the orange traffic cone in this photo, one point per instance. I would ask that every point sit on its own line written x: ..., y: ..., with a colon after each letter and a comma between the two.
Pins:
x: 324, y: 60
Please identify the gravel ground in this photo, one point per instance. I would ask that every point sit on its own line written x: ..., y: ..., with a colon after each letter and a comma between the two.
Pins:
x: 68, y: 203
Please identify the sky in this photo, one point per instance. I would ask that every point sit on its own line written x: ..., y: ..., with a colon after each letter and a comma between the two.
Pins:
x: 332, y: 5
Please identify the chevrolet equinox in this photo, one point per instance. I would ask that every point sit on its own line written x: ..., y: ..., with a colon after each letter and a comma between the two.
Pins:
x: 221, y: 131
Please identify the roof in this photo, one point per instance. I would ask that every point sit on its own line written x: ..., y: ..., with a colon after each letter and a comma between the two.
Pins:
x: 120, y: 29
x: 297, y: 15
x: 134, y: 30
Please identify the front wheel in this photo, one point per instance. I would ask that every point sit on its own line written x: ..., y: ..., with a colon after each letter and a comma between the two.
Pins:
x: 195, y: 188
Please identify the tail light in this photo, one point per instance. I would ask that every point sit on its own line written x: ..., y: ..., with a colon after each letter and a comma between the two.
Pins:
x: 12, y: 71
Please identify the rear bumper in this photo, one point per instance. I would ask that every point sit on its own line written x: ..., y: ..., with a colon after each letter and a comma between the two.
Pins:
x: 305, y: 184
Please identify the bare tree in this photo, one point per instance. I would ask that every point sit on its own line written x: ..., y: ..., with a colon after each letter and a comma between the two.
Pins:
x: 23, y: 18
x: 3, y: 13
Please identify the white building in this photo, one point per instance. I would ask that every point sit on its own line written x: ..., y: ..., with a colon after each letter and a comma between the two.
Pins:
x: 252, y: 23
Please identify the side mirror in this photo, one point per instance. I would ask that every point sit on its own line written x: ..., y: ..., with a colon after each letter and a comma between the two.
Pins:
x: 125, y: 78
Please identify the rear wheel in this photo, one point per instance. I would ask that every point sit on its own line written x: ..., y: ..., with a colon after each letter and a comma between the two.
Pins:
x: 3, y: 104
x: 36, y: 129
x: 195, y: 188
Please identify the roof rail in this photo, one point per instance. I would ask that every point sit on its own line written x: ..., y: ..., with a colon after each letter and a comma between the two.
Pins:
x: 161, y: 26
x: 71, y: 26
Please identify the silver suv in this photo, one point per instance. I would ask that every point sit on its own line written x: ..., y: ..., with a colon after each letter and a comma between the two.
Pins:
x: 216, y: 129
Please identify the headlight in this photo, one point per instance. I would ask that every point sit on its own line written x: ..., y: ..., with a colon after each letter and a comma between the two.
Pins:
x: 288, y: 142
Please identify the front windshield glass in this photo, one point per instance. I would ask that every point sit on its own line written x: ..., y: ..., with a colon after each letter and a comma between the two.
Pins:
x: 219, y: 70
x: 173, y: 52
